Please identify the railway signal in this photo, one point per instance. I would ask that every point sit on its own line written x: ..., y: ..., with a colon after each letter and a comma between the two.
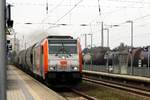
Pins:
x: 9, y: 21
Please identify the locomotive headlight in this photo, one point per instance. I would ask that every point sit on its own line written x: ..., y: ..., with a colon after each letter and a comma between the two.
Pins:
x: 75, y: 68
x: 51, y: 68
x: 63, y: 57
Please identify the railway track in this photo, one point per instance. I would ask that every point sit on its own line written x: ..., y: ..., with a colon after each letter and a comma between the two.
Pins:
x: 76, y: 94
x: 73, y: 94
x: 132, y: 89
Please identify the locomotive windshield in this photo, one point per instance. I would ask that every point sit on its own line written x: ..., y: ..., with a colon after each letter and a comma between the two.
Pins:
x: 62, y: 46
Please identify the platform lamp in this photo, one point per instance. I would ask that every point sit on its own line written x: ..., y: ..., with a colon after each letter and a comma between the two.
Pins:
x: 91, y: 48
x: 107, y: 29
x: 131, y: 22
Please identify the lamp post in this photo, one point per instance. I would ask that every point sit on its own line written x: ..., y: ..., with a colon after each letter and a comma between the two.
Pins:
x: 107, y: 29
x: 91, y: 39
x: 131, y: 22
x: 84, y: 25
x: 85, y: 40
x: 102, y: 35
x: 91, y: 48
x: 87, y: 46
x: 14, y: 41
x: 148, y: 66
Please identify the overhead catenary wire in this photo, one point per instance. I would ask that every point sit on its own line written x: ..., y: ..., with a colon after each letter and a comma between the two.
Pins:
x: 107, y: 13
x: 125, y: 1
x: 67, y: 12
x: 51, y: 10
x: 99, y: 8
x: 65, y: 5
x: 42, y: 4
x: 58, y: 5
x: 29, y: 4
x: 142, y: 25
x: 142, y: 17
x: 118, y: 9
x: 139, y: 18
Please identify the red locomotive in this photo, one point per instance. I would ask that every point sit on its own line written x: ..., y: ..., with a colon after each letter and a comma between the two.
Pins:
x: 55, y: 59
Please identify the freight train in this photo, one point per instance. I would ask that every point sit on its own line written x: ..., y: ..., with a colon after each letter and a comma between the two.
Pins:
x: 140, y: 56
x: 55, y: 59
x: 94, y: 55
x: 98, y: 56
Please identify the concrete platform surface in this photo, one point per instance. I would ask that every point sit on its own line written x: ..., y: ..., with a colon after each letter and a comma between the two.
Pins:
x: 21, y: 86
x: 137, y: 78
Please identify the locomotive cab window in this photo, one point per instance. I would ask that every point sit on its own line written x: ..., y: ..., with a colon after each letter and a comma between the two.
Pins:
x: 62, y: 46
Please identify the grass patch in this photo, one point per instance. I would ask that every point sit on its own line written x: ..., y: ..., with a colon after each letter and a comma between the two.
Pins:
x: 106, y: 93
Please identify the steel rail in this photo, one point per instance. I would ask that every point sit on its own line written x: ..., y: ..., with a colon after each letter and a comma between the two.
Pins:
x: 122, y: 87
x: 83, y: 95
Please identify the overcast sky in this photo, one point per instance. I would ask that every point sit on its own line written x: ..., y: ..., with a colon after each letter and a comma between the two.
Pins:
x: 113, y: 12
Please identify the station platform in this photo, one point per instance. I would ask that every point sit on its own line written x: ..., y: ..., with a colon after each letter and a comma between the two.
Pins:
x: 21, y: 86
x: 121, y: 76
